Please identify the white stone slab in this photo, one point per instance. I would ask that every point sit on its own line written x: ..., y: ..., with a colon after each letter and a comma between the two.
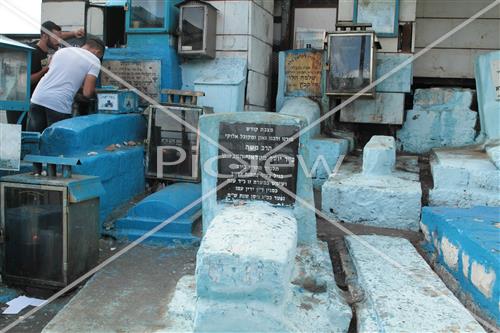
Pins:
x: 261, y: 23
x: 248, y: 253
x: 259, y: 56
x: 346, y: 10
x: 236, y: 15
x: 257, y: 89
x: 402, y: 293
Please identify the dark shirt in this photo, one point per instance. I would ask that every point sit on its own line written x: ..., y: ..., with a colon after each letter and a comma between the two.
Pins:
x: 39, y: 59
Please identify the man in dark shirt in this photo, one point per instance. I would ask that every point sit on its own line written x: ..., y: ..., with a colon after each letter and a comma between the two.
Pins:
x: 40, y: 57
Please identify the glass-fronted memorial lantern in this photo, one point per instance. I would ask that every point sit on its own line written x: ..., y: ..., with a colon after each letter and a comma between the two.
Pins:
x: 15, y: 68
x: 197, y: 28
x: 351, y: 61
x: 146, y: 16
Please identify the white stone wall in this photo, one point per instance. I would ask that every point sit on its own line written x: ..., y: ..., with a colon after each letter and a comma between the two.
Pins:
x: 70, y: 15
x: 454, y: 57
x: 245, y: 30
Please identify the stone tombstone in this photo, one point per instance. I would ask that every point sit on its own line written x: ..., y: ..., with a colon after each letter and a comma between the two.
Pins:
x: 303, y: 73
x: 300, y: 75
x: 228, y: 139
x: 487, y: 72
x: 145, y: 76
x: 251, y: 143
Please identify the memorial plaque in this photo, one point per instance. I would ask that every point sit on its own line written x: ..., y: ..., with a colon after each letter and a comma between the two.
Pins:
x: 495, y: 75
x: 303, y: 73
x: 145, y: 76
x: 251, y: 143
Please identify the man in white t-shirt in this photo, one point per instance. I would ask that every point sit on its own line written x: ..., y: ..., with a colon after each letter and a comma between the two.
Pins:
x: 70, y: 69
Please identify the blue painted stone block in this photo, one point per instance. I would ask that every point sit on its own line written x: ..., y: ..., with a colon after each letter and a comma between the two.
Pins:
x: 386, y: 108
x: 159, y: 207
x: 121, y: 173
x: 464, y: 178
x: 487, y: 70
x: 441, y: 117
x: 81, y: 135
x: 400, y: 81
x: 324, y: 154
x: 222, y: 80
x: 466, y: 243
x: 306, y: 109
x: 379, y: 156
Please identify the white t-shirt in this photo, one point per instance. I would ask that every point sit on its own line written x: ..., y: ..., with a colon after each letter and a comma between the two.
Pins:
x: 67, y: 71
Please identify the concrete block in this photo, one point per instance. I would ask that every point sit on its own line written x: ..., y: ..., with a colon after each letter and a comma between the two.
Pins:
x: 324, y: 155
x: 386, y: 108
x: 494, y: 154
x: 474, y: 235
x: 379, y: 156
x: 247, y: 253
x: 400, y: 81
x: 306, y: 109
x: 389, y: 45
x: 257, y: 89
x: 464, y: 178
x: 382, y: 201
x: 320, y: 310
x: 231, y: 43
x: 407, y: 10
x: 487, y: 69
x: 259, y: 56
x: 261, y: 23
x: 442, y: 99
x: 401, y: 291
x: 440, y: 118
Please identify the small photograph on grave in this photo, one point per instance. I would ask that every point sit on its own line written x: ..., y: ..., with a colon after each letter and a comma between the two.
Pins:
x: 269, y: 169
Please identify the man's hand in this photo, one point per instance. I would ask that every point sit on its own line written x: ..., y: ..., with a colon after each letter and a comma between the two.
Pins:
x: 79, y: 33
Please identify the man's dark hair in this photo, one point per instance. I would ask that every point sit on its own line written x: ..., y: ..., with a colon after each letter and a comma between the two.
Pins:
x: 96, y: 43
x: 50, y: 26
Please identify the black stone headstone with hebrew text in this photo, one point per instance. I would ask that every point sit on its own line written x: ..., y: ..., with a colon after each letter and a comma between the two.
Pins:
x: 252, y: 143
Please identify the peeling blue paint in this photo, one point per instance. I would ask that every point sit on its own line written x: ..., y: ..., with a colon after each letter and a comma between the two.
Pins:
x: 474, y: 232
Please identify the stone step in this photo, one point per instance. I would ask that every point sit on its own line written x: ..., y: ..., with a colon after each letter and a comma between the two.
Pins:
x: 466, y: 243
x: 401, y: 292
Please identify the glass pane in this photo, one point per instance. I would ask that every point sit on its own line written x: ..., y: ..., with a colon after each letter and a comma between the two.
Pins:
x: 33, y: 230
x: 13, y: 67
x: 147, y: 14
x: 193, y: 20
x: 167, y: 131
x: 350, y: 63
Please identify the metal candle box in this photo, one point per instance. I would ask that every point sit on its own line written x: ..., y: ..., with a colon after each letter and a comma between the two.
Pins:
x: 50, y: 228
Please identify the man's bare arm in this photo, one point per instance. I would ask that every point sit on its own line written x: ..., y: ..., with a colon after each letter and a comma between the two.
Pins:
x: 73, y: 34
x: 89, y: 86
